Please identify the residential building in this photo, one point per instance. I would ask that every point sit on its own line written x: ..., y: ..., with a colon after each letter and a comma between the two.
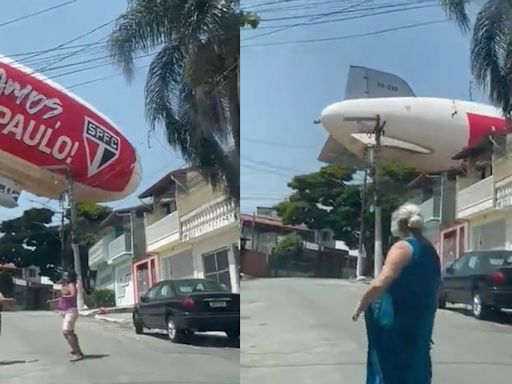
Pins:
x: 435, y: 194
x: 113, y: 255
x: 192, y: 230
x: 483, y: 195
x: 323, y: 256
x: 31, y: 290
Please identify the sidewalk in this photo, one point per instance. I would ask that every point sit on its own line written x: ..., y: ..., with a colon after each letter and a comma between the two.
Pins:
x: 119, y: 318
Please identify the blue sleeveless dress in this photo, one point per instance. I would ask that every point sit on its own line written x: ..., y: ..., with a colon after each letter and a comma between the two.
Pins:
x: 399, y: 324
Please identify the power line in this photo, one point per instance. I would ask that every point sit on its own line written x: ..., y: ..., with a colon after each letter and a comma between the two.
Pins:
x: 356, y: 17
x: 347, y: 37
x: 277, y: 143
x: 315, y: 17
x: 37, y: 13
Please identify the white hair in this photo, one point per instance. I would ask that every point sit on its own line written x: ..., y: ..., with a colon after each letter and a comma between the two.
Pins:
x: 411, y: 214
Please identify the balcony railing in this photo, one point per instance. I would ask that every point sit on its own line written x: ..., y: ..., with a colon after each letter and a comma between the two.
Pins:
x: 209, y: 219
x: 96, y: 252
x: 167, y: 227
x: 117, y: 248
x: 476, y: 198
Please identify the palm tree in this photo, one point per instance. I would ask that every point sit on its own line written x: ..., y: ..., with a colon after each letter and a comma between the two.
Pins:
x: 491, y: 46
x: 192, y: 86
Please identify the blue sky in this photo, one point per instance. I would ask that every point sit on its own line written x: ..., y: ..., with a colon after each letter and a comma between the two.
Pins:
x: 284, y: 87
x: 122, y: 103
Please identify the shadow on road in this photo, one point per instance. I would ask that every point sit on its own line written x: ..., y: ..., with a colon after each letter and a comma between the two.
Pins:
x: 204, y: 340
x: 92, y: 357
x: 12, y: 362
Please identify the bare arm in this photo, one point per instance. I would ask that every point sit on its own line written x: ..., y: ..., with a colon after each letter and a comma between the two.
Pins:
x: 398, y: 256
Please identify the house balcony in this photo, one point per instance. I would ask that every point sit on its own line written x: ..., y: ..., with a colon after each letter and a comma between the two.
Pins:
x: 476, y: 199
x: 97, y: 254
x: 209, y: 219
x: 118, y: 248
x: 163, y: 233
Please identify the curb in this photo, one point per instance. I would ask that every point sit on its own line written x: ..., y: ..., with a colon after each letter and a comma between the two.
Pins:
x: 111, y: 319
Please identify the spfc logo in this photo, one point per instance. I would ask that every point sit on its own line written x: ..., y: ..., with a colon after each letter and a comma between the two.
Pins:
x: 102, y: 147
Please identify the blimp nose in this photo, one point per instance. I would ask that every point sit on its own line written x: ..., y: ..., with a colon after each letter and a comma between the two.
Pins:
x: 331, y: 117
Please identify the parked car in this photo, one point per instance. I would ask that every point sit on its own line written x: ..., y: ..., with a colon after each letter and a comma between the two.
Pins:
x: 481, y: 279
x: 184, y: 306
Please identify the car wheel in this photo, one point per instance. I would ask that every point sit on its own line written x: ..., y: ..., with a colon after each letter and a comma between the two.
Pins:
x: 480, y: 310
x: 176, y: 335
x: 137, y: 323
x: 233, y: 334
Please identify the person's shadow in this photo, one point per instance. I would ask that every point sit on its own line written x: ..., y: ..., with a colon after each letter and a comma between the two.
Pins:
x: 92, y: 357
x: 13, y: 362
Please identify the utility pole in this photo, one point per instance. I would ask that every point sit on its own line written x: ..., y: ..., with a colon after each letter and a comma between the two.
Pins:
x: 375, y: 159
x: 62, y: 235
x: 69, y: 193
x: 362, y: 229
x: 74, y: 241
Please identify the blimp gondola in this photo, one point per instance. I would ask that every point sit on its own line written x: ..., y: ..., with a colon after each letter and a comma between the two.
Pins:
x: 49, y: 136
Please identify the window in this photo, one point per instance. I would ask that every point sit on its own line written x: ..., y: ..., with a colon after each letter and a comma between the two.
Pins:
x: 216, y: 267
x: 151, y: 294
x: 473, y: 262
x: 32, y: 273
x: 165, y: 292
x: 459, y: 264
x: 185, y: 287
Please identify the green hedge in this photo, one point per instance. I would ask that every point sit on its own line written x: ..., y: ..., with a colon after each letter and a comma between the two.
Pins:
x: 101, y: 298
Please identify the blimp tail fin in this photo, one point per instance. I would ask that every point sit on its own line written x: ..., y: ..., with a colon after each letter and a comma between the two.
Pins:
x: 333, y: 152
x: 367, y: 83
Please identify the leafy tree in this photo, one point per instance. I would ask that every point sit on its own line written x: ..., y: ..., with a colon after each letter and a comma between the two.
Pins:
x: 192, y: 85
x: 6, y: 284
x: 32, y: 239
x: 491, y: 48
x: 331, y: 198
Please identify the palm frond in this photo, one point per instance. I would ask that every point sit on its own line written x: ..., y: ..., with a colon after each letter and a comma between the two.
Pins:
x: 457, y: 10
x: 141, y: 29
x: 491, y: 38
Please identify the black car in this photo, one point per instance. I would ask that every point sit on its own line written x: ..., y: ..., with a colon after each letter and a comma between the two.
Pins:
x: 182, y: 307
x: 481, y: 279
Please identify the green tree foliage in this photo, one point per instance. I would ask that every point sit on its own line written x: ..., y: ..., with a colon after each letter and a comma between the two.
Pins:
x: 331, y: 198
x: 6, y: 284
x: 249, y: 19
x: 32, y: 239
x: 101, y: 298
x: 192, y: 85
x: 491, y: 45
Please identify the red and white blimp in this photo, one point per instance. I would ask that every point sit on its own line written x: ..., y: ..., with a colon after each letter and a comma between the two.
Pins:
x: 423, y: 132
x: 47, y: 133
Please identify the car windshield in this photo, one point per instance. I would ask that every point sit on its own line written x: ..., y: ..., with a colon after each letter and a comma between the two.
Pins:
x: 185, y: 287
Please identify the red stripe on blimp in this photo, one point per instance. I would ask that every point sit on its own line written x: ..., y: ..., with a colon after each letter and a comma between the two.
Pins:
x: 46, y: 126
x: 481, y: 126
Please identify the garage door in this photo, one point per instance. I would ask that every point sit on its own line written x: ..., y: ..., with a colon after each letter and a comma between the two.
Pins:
x: 488, y: 236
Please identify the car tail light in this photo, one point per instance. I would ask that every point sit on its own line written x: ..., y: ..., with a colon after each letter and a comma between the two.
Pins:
x: 498, y: 278
x: 189, y: 304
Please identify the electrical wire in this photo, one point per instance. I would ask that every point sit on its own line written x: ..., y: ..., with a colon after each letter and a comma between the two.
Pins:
x: 37, y: 13
x: 311, y: 19
x: 347, y: 37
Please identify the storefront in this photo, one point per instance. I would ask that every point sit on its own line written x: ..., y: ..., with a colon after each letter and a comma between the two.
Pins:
x: 452, y: 243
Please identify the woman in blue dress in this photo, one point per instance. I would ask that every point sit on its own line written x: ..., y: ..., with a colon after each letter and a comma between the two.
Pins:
x: 400, y: 306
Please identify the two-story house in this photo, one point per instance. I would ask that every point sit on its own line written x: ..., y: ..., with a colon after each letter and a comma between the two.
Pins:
x: 484, y: 195
x: 112, y: 256
x: 191, y: 231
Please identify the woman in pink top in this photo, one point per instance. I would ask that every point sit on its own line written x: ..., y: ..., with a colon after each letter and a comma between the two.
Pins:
x: 69, y: 312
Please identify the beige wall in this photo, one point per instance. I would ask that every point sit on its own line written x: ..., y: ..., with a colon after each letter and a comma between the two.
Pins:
x: 198, y: 193
x: 503, y: 168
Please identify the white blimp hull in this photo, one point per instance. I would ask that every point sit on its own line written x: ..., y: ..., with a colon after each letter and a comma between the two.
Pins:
x: 425, y: 133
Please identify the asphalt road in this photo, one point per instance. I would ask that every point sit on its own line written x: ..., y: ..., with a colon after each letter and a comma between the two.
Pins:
x: 300, y: 331
x: 33, y: 351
